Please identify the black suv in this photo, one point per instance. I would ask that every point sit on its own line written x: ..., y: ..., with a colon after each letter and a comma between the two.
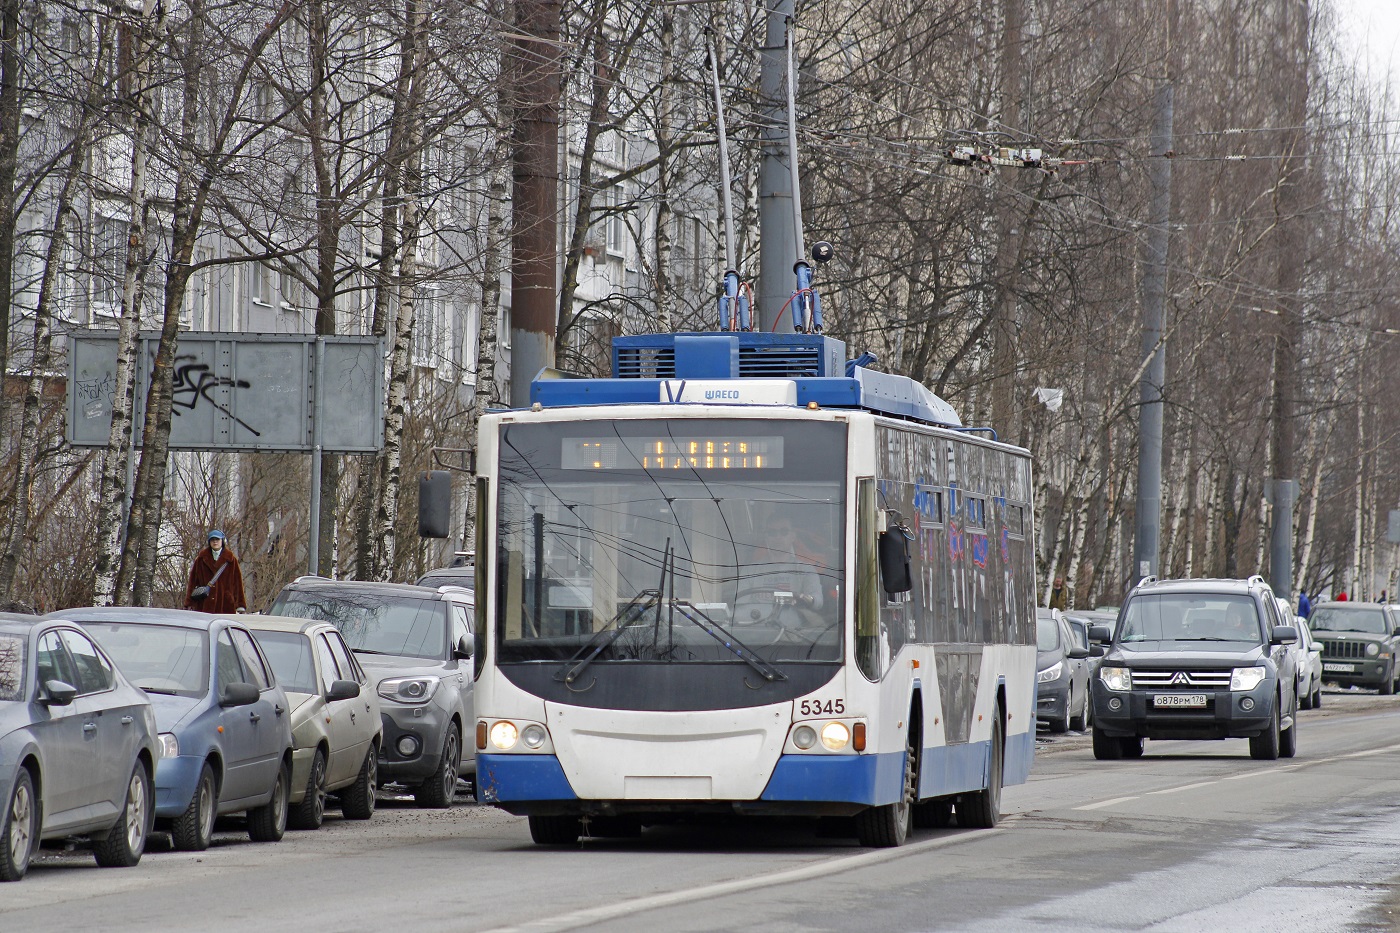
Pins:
x: 1196, y: 659
x: 1359, y: 644
x: 416, y: 643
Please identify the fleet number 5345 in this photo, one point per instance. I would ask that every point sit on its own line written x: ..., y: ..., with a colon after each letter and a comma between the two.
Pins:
x: 822, y: 707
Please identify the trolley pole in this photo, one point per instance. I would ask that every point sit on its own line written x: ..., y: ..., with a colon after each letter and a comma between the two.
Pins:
x: 777, y: 240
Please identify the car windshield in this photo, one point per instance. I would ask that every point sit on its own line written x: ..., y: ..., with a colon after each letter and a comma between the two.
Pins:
x: 157, y: 658
x: 1370, y: 620
x: 11, y: 667
x: 670, y: 541
x: 1191, y: 617
x: 374, y: 623
x: 290, y: 656
x: 1047, y: 633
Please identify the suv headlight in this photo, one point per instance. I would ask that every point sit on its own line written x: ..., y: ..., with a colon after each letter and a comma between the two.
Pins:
x: 1051, y: 673
x: 1247, y: 678
x: 1116, y: 678
x: 411, y: 690
x: 1373, y: 649
x: 169, y: 745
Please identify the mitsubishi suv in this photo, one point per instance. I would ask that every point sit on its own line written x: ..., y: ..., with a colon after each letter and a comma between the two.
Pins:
x: 1197, y: 659
x: 416, y: 644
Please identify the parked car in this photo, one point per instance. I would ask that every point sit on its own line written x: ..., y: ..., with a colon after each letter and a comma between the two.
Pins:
x: 1298, y: 651
x: 1359, y: 642
x: 1314, y: 649
x: 1197, y: 659
x: 336, y: 729
x: 77, y: 747
x: 1062, y: 674
x: 461, y: 572
x: 416, y: 644
x: 225, y: 724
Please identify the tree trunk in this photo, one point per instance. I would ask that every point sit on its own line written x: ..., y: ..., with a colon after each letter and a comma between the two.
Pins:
x: 111, y: 495
x: 1010, y: 225
x: 11, y: 75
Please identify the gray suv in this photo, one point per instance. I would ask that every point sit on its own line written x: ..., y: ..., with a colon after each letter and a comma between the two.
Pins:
x: 1197, y: 659
x: 416, y: 644
x: 1359, y: 643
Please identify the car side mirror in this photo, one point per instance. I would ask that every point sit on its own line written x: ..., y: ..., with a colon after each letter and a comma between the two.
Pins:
x: 1101, y: 634
x: 239, y: 694
x: 895, y: 575
x: 464, y: 648
x: 1396, y: 633
x: 343, y: 690
x: 1077, y: 653
x: 1284, y: 635
x: 58, y: 693
x: 1097, y: 651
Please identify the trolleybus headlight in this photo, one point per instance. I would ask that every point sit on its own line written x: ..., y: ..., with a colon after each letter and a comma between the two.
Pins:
x: 533, y: 736
x: 1247, y: 678
x: 504, y: 735
x: 804, y: 737
x: 836, y: 735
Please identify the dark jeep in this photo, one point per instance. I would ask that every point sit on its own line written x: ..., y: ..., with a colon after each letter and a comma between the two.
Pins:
x: 1196, y: 659
x: 1359, y: 643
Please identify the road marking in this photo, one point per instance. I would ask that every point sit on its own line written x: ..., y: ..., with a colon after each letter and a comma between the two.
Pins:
x: 1106, y: 803
x: 594, y: 915
x: 1173, y: 790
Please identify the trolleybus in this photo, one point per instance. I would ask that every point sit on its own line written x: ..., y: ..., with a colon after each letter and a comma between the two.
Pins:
x: 745, y: 576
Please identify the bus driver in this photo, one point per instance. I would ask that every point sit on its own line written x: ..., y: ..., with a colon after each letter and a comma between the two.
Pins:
x: 778, y: 567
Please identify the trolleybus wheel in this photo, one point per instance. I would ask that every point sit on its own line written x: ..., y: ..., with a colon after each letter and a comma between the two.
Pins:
x: 888, y: 825
x: 982, y: 808
x: 555, y: 830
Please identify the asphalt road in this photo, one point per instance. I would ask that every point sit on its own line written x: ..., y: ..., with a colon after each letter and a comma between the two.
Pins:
x: 1194, y: 836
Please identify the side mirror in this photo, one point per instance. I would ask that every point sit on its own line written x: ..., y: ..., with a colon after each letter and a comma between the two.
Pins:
x: 58, y: 693
x: 1396, y: 633
x: 435, y: 504
x: 464, y: 648
x: 343, y: 690
x: 239, y: 695
x: 1077, y: 653
x: 1097, y: 651
x: 1284, y: 635
x: 1101, y: 634
x: 895, y: 574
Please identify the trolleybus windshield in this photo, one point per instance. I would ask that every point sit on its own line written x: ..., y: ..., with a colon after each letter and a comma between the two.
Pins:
x: 671, y: 541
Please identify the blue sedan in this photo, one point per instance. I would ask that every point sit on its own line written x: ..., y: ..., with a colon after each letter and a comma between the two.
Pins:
x: 77, y: 747
x: 225, y: 723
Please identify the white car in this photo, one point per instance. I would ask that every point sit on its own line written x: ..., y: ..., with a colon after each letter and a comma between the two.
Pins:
x: 1303, y: 654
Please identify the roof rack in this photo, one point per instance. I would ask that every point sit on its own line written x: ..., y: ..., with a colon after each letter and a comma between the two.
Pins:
x: 1148, y: 580
x: 1256, y: 578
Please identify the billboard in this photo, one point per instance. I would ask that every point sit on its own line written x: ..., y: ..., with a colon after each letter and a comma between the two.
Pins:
x: 238, y: 391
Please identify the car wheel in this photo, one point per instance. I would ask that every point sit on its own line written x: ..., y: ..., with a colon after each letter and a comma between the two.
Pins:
x: 1081, y: 722
x: 888, y: 825
x: 555, y: 830
x: 311, y: 812
x: 1387, y: 687
x: 268, y: 823
x: 1305, y: 701
x: 194, y: 829
x: 1106, y: 747
x: 1288, y: 738
x: 357, y: 800
x: 19, y: 831
x: 1265, y: 746
x: 981, y: 809
x: 126, y: 840
x: 441, y: 786
x: 1317, y: 697
x: 1132, y: 746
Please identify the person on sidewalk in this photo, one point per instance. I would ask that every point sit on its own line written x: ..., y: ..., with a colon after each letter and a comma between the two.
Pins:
x: 216, y: 581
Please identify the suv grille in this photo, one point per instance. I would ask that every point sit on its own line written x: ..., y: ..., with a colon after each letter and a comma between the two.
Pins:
x: 1342, y: 649
x: 1182, y: 680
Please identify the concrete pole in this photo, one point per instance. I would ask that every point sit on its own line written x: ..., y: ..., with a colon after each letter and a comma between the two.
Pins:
x: 534, y: 238
x: 777, y: 236
x: 1147, y: 544
x: 313, y: 541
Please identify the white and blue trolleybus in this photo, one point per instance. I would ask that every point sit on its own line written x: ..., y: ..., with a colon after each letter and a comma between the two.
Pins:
x: 746, y: 576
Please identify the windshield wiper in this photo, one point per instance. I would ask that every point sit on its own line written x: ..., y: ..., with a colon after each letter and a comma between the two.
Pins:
x: 718, y: 632
x: 368, y: 651
x: 611, y: 632
x: 164, y: 693
x: 1209, y: 638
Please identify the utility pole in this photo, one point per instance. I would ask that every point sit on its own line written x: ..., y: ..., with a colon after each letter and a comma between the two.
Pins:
x: 777, y: 235
x: 1147, y: 542
x: 534, y: 239
x: 1291, y: 244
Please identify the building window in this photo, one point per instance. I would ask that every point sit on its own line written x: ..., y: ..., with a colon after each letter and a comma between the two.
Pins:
x: 290, y: 290
x: 109, y: 264
x: 260, y: 283
x: 427, y: 327
x: 617, y: 221
x: 471, y: 350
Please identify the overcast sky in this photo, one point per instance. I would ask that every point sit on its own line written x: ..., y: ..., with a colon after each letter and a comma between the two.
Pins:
x: 1374, y: 24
